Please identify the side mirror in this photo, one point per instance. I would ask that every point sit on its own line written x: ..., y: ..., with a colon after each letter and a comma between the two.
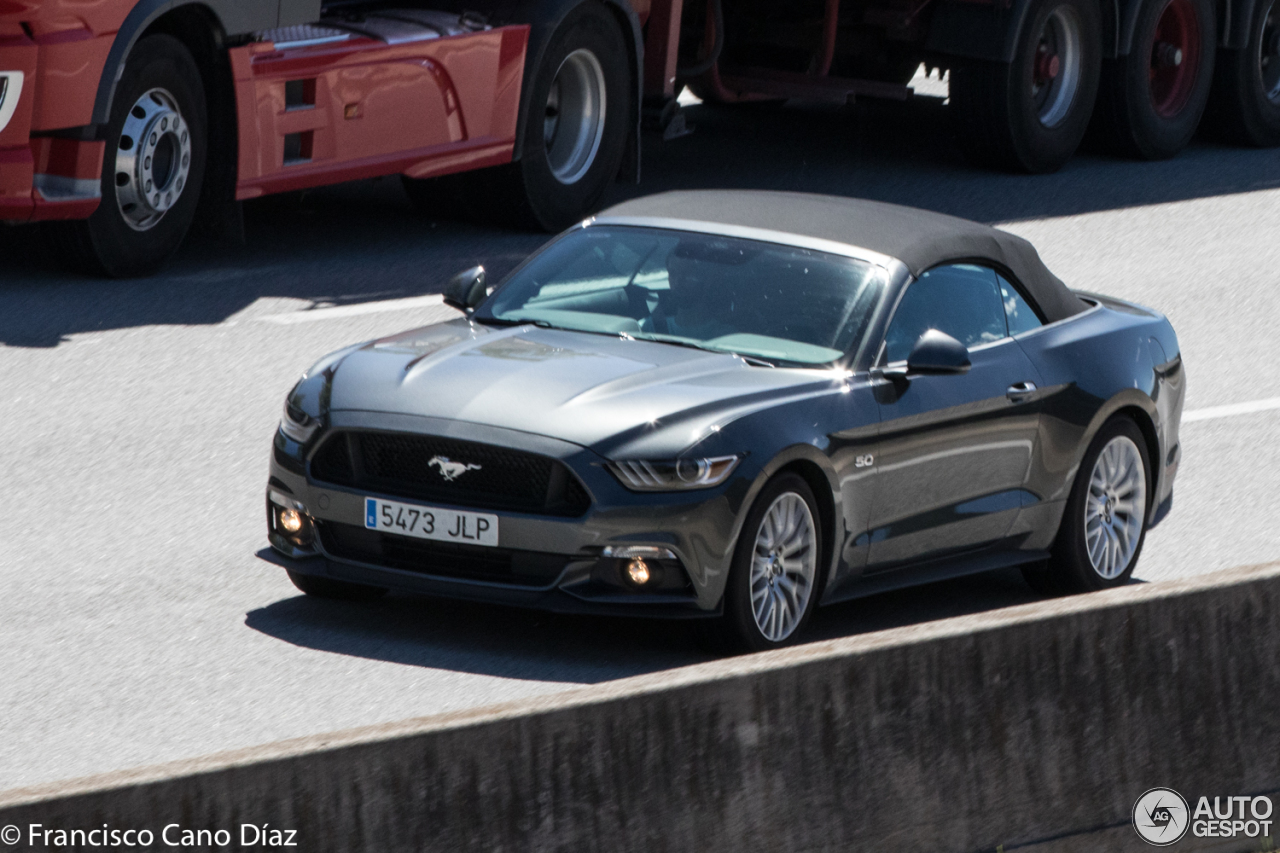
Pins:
x: 938, y: 352
x: 466, y: 289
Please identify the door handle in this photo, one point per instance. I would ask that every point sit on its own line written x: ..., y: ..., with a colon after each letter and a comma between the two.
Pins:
x: 1020, y: 391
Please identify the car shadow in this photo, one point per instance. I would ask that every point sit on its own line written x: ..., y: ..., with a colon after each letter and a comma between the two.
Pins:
x: 362, y: 241
x: 530, y: 645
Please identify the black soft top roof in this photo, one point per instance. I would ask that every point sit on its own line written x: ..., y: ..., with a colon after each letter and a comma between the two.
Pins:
x: 918, y: 238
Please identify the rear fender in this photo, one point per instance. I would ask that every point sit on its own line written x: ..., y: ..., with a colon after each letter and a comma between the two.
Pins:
x: 986, y: 31
x: 989, y: 31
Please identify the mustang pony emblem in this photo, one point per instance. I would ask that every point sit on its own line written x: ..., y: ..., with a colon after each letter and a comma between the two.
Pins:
x: 449, y: 469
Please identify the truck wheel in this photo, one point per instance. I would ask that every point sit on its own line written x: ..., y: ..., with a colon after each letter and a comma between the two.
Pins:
x: 1105, y: 521
x: 1150, y: 101
x: 153, y: 167
x: 574, y: 133
x: 1030, y: 114
x: 1246, y: 84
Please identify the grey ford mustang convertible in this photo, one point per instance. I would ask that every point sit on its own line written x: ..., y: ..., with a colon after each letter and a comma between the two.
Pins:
x: 736, y: 406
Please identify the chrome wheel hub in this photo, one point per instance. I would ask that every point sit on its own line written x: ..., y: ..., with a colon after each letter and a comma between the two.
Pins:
x: 1057, y: 68
x: 783, y: 566
x: 153, y: 159
x: 1115, y: 510
x: 573, y: 122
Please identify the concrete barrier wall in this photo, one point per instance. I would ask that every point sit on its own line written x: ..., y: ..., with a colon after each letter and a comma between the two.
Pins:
x: 1032, y: 728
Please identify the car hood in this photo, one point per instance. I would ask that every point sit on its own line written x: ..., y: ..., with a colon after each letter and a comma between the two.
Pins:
x: 614, y: 395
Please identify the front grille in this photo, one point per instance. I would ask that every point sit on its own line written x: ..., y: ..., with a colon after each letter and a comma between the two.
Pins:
x: 444, y: 559
x: 415, y: 466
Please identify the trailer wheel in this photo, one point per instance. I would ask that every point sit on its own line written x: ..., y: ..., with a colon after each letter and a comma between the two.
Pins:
x: 1150, y: 102
x: 574, y: 132
x: 1246, y: 86
x: 1030, y: 114
x: 152, y: 170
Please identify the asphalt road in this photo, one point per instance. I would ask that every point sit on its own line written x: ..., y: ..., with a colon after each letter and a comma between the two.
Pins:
x: 139, y: 621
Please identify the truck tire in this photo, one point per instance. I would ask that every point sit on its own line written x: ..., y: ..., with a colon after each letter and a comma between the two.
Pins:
x: 152, y: 170
x: 574, y: 132
x: 1245, y: 103
x: 1030, y: 114
x: 1150, y: 102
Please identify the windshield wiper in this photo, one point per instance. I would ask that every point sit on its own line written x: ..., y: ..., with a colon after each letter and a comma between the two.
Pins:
x: 502, y: 321
x: 674, y: 341
x: 753, y: 360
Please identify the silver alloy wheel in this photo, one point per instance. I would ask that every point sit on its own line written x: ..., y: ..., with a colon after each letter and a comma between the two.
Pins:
x: 1269, y: 56
x: 153, y: 157
x: 573, y: 124
x: 783, y: 566
x: 1058, y: 66
x: 1116, y: 508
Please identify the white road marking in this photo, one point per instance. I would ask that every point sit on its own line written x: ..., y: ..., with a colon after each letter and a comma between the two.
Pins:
x: 339, y: 311
x: 1231, y: 410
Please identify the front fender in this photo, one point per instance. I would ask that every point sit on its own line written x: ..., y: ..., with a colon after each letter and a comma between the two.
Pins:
x: 808, y: 455
x: 233, y: 17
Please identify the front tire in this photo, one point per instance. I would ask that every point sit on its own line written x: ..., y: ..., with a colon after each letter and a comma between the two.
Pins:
x: 152, y: 170
x: 574, y: 132
x: 1104, y: 524
x: 1030, y: 114
x: 1245, y: 103
x: 1150, y: 102
x: 777, y: 566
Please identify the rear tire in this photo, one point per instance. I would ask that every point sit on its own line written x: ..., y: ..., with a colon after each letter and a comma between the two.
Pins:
x: 1104, y: 524
x: 1030, y: 114
x: 151, y: 176
x: 774, y: 582
x: 1245, y: 104
x: 322, y: 587
x: 574, y: 133
x: 1150, y: 102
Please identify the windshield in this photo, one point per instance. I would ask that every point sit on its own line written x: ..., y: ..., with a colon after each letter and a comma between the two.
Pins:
x: 779, y: 303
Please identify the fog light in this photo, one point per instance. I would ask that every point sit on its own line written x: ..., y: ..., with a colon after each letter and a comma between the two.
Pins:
x: 290, y: 521
x: 638, y: 571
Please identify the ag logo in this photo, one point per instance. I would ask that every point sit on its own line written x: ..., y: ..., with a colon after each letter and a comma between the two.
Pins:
x: 1160, y: 816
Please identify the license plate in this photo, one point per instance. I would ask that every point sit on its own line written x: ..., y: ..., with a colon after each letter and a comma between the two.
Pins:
x: 429, y: 522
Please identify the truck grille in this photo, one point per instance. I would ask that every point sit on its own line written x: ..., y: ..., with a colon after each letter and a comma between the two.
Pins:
x: 419, y: 467
x: 443, y: 559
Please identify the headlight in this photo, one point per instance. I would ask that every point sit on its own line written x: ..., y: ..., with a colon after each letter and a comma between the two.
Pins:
x: 675, y: 474
x: 297, y: 424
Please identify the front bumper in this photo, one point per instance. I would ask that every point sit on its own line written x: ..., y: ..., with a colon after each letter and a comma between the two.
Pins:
x: 544, y: 562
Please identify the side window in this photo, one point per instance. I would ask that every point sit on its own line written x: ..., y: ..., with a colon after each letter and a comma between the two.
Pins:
x: 960, y: 299
x: 1017, y: 310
